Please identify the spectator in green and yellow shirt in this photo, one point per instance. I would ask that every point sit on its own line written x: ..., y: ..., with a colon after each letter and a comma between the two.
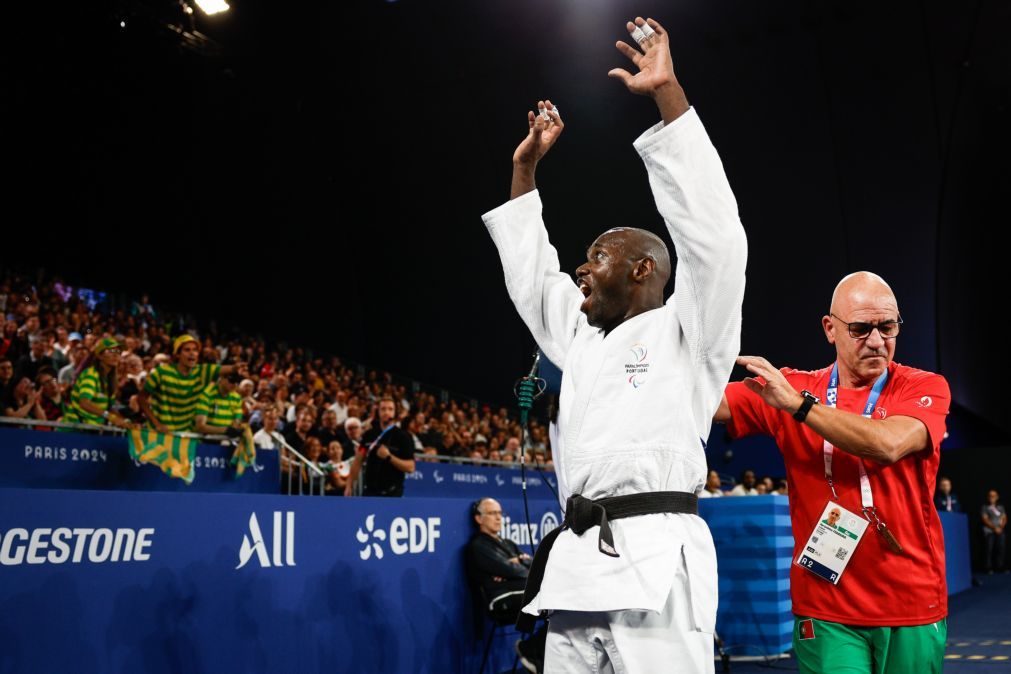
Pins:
x: 219, y: 408
x: 95, y: 388
x: 171, y: 390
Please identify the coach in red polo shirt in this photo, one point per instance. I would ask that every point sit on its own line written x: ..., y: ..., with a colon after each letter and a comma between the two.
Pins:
x: 862, y: 436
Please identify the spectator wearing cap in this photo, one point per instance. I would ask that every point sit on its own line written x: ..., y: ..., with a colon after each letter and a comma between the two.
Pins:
x: 29, y: 364
x: 219, y: 408
x: 93, y: 393
x: 171, y: 390
x: 74, y: 340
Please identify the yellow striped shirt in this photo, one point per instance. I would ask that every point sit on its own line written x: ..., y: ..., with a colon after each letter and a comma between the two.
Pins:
x: 174, y: 395
x: 90, y: 386
x: 220, y: 409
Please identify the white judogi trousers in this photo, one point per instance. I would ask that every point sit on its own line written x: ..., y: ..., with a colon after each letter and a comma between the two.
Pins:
x: 631, y: 641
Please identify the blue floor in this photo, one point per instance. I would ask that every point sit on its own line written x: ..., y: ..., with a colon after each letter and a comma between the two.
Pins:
x: 979, y: 632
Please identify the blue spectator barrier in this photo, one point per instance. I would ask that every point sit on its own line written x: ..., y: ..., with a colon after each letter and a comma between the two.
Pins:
x: 958, y: 566
x: 119, y: 581
x: 57, y: 460
x: 441, y: 479
x: 754, y: 549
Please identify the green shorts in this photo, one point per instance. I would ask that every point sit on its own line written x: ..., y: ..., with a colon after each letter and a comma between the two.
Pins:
x: 832, y: 648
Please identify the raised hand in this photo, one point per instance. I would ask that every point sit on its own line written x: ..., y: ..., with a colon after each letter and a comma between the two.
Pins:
x: 655, y: 77
x: 541, y: 135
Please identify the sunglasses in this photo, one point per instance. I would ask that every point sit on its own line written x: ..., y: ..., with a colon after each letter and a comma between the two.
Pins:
x: 861, y: 330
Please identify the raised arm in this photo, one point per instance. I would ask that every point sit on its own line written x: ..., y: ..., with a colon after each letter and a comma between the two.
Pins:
x: 694, y: 197
x: 546, y: 299
x: 541, y: 136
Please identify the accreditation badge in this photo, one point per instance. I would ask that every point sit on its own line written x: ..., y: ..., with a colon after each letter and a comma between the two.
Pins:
x: 829, y: 548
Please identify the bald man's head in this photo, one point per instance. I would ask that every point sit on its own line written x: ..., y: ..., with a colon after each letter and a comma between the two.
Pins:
x: 624, y: 275
x: 862, y: 323
x: 642, y: 244
x: 859, y: 289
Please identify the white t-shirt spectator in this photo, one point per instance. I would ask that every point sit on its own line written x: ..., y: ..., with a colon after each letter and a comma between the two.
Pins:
x: 264, y: 440
x: 341, y: 411
x: 705, y: 493
x: 740, y: 490
x: 67, y: 375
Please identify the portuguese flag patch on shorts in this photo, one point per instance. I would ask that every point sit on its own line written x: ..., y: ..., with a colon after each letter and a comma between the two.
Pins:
x: 806, y: 629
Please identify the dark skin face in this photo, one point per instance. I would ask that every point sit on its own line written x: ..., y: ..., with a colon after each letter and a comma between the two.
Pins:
x: 621, y: 278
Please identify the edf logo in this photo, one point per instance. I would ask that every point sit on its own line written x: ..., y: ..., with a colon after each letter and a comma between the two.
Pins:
x: 412, y: 535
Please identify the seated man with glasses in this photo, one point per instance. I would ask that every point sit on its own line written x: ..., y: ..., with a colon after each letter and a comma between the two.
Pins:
x: 860, y: 440
x: 498, y: 569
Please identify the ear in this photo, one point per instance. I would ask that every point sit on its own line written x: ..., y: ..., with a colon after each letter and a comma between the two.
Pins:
x: 643, y: 269
x: 829, y: 327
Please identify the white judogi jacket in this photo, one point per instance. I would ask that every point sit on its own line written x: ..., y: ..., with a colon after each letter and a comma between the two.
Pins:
x: 636, y: 406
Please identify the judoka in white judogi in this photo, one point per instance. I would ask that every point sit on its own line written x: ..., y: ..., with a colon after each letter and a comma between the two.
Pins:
x: 638, y: 393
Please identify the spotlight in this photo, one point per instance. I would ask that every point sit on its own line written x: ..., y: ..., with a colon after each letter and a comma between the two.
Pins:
x: 210, y: 7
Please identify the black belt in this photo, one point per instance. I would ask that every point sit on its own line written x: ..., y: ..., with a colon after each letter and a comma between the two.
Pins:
x: 583, y: 513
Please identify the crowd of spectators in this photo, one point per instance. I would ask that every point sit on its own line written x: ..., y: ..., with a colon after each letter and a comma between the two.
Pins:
x: 53, y: 333
x: 749, y: 485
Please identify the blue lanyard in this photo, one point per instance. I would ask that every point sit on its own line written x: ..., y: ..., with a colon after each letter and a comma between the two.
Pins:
x: 831, y: 396
x: 376, y: 441
x: 833, y: 385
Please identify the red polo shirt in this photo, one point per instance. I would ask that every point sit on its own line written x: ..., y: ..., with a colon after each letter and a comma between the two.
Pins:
x: 879, y: 587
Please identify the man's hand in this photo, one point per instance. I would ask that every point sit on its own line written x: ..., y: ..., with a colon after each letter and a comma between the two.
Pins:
x: 542, y: 134
x: 383, y: 452
x: 656, y: 69
x: 776, y: 390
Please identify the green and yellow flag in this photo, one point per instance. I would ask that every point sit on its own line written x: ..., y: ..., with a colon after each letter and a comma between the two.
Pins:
x: 173, y: 454
x: 245, y: 452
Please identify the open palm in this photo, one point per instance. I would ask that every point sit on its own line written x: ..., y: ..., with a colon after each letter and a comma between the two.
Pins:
x: 656, y: 68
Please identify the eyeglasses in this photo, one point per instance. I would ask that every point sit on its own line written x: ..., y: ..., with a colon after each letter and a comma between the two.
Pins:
x: 861, y: 330
x: 491, y: 513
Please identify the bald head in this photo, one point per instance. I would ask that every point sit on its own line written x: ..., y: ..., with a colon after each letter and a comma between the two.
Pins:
x: 624, y: 275
x: 642, y: 244
x: 862, y: 305
x: 859, y: 290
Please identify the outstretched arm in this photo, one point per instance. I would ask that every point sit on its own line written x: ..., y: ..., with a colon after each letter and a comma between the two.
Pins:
x: 693, y: 195
x: 547, y: 299
x: 882, y: 440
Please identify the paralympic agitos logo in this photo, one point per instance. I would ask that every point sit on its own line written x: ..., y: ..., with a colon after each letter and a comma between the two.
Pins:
x: 638, y: 368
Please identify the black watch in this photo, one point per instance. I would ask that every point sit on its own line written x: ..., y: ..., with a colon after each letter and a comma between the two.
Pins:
x: 810, y: 400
